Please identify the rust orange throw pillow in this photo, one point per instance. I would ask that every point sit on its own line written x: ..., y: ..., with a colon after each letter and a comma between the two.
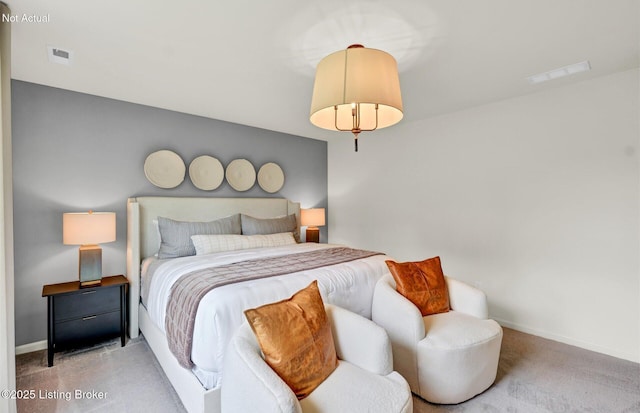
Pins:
x: 422, y: 283
x: 295, y: 337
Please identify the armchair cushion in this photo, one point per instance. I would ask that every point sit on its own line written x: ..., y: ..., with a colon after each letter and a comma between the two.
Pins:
x: 422, y: 283
x: 456, y: 330
x: 296, y: 340
x: 351, y: 389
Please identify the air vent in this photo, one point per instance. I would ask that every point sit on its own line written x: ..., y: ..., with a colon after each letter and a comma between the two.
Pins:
x: 60, y: 56
x: 560, y: 72
x: 61, y: 53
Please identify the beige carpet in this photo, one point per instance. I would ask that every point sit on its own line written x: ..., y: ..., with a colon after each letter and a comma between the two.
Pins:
x: 534, y: 375
x: 129, y: 377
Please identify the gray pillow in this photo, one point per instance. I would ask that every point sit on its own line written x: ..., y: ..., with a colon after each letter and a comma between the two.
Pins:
x: 257, y: 226
x: 175, y: 236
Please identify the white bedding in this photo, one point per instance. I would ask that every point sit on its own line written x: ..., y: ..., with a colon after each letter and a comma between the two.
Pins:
x: 349, y: 285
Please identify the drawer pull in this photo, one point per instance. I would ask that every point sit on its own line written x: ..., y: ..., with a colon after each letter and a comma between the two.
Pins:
x: 91, y: 317
x: 89, y: 292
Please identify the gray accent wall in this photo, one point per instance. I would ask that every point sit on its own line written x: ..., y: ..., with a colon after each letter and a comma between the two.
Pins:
x: 75, y: 152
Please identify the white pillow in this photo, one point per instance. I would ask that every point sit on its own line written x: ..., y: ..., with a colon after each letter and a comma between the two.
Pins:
x: 208, y: 244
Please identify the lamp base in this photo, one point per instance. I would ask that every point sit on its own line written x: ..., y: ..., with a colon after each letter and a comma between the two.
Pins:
x: 90, y: 266
x: 313, y: 234
x: 89, y: 284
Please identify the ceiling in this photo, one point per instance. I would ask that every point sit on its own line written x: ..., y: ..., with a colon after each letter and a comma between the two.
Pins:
x: 253, y: 61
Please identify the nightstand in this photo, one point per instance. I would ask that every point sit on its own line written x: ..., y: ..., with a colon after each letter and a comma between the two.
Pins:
x: 81, y: 316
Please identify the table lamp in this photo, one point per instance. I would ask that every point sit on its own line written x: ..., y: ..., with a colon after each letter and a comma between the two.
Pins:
x: 88, y: 229
x: 312, y: 218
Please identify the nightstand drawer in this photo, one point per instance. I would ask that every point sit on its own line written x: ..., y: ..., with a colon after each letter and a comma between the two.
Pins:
x: 87, y: 329
x: 86, y: 302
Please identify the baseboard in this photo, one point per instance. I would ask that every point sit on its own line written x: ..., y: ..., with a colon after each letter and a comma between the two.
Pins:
x: 566, y: 340
x: 31, y: 347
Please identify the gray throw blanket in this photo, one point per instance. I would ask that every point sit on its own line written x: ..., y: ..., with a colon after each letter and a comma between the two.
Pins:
x: 189, y: 289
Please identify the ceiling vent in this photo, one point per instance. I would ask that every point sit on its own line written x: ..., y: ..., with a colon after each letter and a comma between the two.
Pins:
x: 560, y: 72
x: 60, y: 56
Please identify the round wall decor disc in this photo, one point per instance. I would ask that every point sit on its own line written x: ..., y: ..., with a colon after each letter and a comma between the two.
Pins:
x: 206, y: 172
x: 164, y: 169
x: 241, y: 174
x: 271, y: 177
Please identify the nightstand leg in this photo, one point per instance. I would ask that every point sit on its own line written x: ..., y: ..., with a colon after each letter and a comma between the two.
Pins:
x: 123, y: 313
x: 50, y: 325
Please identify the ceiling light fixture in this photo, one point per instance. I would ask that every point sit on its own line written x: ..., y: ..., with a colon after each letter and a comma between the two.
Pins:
x: 356, y: 90
x: 560, y: 72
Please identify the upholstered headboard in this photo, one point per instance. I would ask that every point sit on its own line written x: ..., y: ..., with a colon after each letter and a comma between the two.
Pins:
x: 143, y: 239
x: 201, y: 209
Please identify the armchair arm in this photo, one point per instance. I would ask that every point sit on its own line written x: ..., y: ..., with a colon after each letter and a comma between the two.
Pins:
x: 249, y: 384
x: 393, y: 312
x: 404, y: 324
x: 467, y: 299
x: 360, y: 341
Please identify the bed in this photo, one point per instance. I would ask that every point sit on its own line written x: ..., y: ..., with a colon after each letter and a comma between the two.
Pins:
x: 349, y: 285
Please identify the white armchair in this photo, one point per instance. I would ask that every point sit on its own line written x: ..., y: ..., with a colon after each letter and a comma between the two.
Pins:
x: 446, y: 358
x: 364, y: 380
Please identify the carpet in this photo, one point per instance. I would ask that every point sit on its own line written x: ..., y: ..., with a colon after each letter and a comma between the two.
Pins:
x: 535, y: 375
x: 109, y: 378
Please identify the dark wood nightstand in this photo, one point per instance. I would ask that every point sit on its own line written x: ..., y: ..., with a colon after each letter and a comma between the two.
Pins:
x: 81, y: 316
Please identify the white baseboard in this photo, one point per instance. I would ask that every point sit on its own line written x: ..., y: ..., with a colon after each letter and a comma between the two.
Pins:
x: 30, y: 347
x: 566, y: 340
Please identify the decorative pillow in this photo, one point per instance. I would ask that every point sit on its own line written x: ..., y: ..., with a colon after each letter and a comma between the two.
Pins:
x: 257, y: 226
x: 296, y: 340
x: 175, y: 236
x: 422, y: 283
x: 207, y: 244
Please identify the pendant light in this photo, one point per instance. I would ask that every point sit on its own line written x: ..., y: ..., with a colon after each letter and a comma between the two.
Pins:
x: 356, y: 90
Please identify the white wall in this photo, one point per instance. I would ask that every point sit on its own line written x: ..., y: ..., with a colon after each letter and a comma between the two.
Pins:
x: 535, y: 200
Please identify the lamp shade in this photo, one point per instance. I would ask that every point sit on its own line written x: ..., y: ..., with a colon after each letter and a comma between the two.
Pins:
x: 313, y: 217
x: 360, y: 77
x: 83, y: 228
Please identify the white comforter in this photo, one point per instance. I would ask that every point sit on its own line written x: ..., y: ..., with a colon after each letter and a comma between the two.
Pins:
x: 349, y: 285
